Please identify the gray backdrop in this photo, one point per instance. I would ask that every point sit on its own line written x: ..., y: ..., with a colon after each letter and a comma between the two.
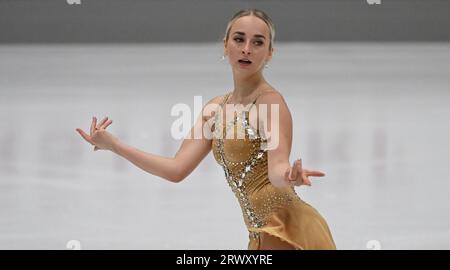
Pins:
x: 205, y: 20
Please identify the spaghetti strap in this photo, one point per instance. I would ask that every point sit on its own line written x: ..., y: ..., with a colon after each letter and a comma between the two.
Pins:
x: 257, y: 97
x: 225, y: 99
x: 229, y: 94
x: 253, y: 103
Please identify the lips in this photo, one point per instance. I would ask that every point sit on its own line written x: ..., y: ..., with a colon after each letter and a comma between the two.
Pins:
x: 245, y: 61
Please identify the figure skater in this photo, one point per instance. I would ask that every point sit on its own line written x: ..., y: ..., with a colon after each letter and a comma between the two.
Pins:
x: 260, y: 176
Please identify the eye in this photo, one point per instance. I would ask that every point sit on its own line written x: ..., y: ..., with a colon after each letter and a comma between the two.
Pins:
x: 259, y: 42
x: 237, y: 39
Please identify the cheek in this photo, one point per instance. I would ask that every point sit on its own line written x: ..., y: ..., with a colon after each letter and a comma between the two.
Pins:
x: 259, y: 57
x: 234, y: 48
x: 234, y: 52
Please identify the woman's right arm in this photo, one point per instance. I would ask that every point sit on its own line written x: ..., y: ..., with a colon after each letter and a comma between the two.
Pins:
x: 174, y: 169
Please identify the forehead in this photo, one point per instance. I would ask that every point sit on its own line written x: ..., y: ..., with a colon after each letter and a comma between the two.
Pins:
x: 251, y: 25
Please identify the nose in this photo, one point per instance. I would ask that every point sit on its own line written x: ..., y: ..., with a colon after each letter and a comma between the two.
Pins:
x: 246, y: 49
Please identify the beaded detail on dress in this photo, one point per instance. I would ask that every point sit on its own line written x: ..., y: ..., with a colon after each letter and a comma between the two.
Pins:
x: 245, y: 165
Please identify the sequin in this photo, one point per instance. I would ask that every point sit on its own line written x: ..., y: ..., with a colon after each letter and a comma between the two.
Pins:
x: 254, y: 235
x: 240, y: 182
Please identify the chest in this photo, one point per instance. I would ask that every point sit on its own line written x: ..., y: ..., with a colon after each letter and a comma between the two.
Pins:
x: 236, y: 137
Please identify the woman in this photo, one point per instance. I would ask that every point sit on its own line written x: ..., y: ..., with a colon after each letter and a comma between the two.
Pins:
x: 260, y: 176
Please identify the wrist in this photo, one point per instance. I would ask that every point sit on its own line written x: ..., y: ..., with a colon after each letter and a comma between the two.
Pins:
x: 115, y: 146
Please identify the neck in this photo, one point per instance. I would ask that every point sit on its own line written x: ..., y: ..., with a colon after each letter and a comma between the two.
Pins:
x: 245, y: 88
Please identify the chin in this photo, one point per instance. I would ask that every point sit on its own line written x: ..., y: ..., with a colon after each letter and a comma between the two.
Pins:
x: 244, y: 70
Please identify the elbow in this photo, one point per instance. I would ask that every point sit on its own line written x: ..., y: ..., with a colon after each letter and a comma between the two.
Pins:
x: 176, y: 176
x: 179, y: 172
x: 172, y: 172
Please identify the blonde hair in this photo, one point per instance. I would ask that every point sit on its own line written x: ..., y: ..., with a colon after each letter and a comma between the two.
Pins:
x: 257, y: 13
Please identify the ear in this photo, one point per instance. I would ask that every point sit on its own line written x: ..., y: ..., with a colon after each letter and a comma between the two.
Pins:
x: 269, y: 57
x: 224, y: 46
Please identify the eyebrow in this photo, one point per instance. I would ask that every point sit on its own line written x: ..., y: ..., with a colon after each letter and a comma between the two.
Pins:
x: 242, y: 33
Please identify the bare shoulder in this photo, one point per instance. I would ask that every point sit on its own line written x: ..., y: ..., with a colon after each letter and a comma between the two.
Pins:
x: 211, y: 106
x: 216, y: 100
x: 271, y: 96
x: 274, y: 100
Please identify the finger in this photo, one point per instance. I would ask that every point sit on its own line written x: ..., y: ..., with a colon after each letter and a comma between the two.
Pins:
x: 102, y: 122
x: 315, y: 173
x: 298, y: 182
x: 287, y: 174
x: 290, y: 178
x: 293, y: 174
x: 93, y: 124
x: 298, y: 168
x: 306, y: 181
x: 105, y: 125
x: 84, y: 135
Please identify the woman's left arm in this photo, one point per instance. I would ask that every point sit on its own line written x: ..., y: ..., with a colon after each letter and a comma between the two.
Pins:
x: 280, y: 171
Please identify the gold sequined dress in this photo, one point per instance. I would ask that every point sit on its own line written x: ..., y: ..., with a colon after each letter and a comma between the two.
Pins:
x: 269, y: 212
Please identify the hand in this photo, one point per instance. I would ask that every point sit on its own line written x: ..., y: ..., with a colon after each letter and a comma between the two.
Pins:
x: 99, y: 137
x: 297, y: 176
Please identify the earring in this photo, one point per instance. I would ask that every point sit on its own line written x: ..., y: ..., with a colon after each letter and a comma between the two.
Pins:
x: 266, y: 65
x: 222, y: 58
